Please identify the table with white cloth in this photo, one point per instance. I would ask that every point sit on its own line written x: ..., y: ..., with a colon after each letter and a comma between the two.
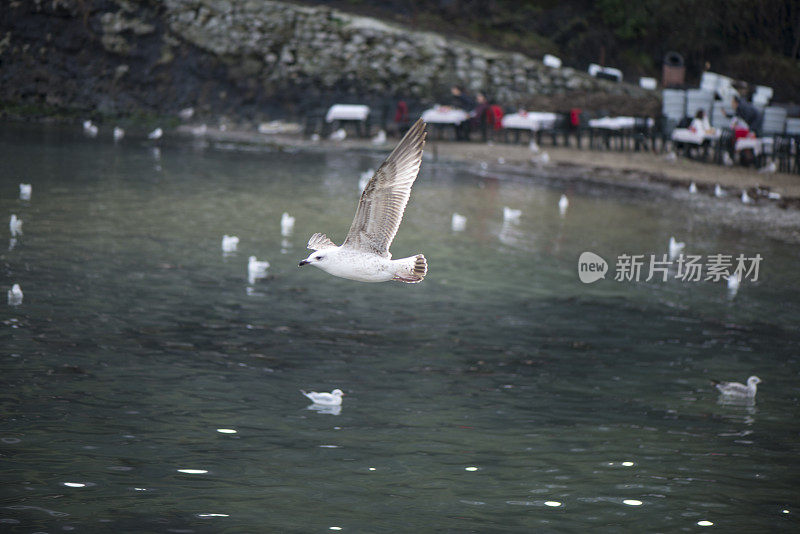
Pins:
x: 349, y: 113
x: 758, y: 145
x: 529, y: 120
x: 685, y: 135
x: 444, y: 115
x: 439, y: 117
x: 617, y: 123
x: 619, y: 131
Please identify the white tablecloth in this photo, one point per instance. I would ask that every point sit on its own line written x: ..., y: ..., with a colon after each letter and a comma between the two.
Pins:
x: 617, y: 123
x: 347, y: 112
x: 443, y: 115
x: 685, y: 135
x: 757, y: 144
x: 529, y: 120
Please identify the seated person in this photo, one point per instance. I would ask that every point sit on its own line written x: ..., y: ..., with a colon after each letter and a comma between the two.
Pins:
x: 700, y: 124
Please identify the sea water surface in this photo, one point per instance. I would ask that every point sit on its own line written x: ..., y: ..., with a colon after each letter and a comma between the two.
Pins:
x: 147, y: 386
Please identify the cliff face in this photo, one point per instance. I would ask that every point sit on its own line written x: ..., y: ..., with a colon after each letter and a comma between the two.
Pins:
x: 248, y: 57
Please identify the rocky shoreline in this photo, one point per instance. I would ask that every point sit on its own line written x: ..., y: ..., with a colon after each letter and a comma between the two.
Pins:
x: 259, y: 60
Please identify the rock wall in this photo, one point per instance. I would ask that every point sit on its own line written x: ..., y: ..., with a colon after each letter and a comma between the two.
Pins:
x: 247, y: 57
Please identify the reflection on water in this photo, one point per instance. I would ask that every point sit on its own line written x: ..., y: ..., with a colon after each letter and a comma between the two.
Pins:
x: 148, y: 386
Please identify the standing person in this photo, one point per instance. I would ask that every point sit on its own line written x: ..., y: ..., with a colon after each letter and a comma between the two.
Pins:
x: 463, y: 101
x: 750, y: 114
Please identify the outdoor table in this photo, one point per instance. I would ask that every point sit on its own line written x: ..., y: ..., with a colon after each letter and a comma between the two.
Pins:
x: 441, y: 116
x: 529, y: 120
x: 355, y: 113
x: 347, y: 112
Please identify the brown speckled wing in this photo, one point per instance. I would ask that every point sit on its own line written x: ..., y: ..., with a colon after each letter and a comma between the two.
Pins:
x: 384, y: 199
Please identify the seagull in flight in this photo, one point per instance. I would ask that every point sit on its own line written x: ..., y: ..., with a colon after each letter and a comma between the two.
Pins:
x: 364, y: 256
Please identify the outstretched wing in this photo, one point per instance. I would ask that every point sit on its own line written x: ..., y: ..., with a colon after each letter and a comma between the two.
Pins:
x: 384, y: 199
x: 319, y: 241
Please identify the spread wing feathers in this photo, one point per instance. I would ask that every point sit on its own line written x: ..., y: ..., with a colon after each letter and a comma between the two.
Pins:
x: 319, y: 241
x: 384, y: 199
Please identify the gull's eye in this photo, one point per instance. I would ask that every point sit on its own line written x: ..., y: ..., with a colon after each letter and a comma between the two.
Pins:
x: 319, y: 257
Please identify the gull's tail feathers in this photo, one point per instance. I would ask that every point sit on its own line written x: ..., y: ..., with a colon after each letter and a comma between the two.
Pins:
x: 412, y: 270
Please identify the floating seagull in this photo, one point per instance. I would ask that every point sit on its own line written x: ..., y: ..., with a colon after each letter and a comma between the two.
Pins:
x: 338, y: 135
x: 502, y: 160
x: 380, y: 138
x: 541, y: 159
x: 25, y: 191
x: 735, y: 389
x: 334, y: 398
x: 199, y: 131
x: 15, y: 226
x: 693, y: 188
x: 458, y: 222
x: 229, y: 243
x: 718, y: 192
x: 15, y: 295
x: 769, y: 168
x: 563, y: 204
x: 186, y: 113
x: 315, y: 138
x: 675, y: 248
x: 364, y: 255
x: 727, y: 160
x: 287, y: 224
x: 773, y: 196
x: 533, y: 147
x: 364, y: 179
x: 511, y: 215
x: 733, y: 283
x: 746, y: 198
x: 256, y: 269
x: 119, y: 133
x: 90, y: 129
x: 155, y: 134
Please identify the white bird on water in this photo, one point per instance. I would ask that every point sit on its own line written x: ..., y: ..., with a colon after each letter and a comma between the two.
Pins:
x: 746, y: 198
x: 338, y: 135
x: 380, y: 138
x: 229, y: 243
x: 90, y: 129
x: 15, y: 295
x: 156, y: 134
x: 675, y: 248
x: 718, y: 192
x: 25, y: 191
x: 563, y: 204
x: 727, y: 160
x: 119, y: 133
x: 733, y: 283
x: 769, y: 168
x: 511, y: 215
x: 334, y: 398
x: 735, y: 389
x: 186, y: 113
x: 364, y: 256
x: 458, y: 222
x: 256, y: 269
x: 15, y: 225
x: 693, y: 188
x: 287, y: 224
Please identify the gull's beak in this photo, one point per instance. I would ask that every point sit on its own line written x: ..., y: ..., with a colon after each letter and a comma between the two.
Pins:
x: 304, y: 262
